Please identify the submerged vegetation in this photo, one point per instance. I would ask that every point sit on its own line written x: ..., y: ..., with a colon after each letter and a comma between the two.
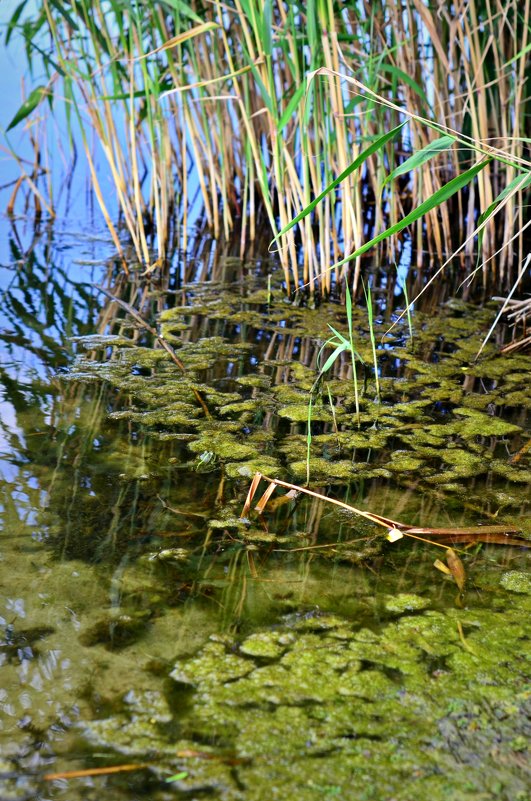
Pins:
x: 150, y: 638
x: 358, y: 120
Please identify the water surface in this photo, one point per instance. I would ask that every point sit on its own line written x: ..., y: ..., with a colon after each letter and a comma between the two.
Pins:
x: 296, y: 656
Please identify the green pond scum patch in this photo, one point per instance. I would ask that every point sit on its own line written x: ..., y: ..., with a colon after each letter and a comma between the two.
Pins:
x: 296, y: 656
x: 442, y: 419
x: 428, y: 704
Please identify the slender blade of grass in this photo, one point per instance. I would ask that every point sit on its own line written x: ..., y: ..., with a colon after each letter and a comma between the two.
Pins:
x: 333, y: 356
x: 521, y: 182
x: 373, y: 148
x: 421, y: 157
x: 30, y: 104
x: 432, y: 202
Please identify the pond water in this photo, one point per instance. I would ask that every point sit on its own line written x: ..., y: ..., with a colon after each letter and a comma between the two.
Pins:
x: 294, y: 654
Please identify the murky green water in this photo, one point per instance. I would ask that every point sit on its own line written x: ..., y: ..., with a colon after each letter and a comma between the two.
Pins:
x: 302, y: 656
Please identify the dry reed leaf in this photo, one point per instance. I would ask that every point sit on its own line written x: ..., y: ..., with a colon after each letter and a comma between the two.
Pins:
x: 250, y: 495
x: 394, y: 534
x: 442, y: 567
x: 499, y: 534
x: 79, y: 774
x: 217, y: 79
x: 180, y: 38
x: 457, y: 569
x: 261, y: 505
x: 386, y: 522
x: 282, y: 499
x: 523, y: 450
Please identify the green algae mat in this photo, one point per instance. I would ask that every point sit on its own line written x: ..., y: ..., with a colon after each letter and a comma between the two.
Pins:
x: 437, y: 418
x: 317, y: 706
x: 298, y: 654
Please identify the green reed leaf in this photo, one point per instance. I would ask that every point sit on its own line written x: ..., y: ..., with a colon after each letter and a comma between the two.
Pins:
x: 13, y: 22
x: 183, y: 10
x: 333, y: 356
x: 29, y: 105
x: 442, y: 194
x: 378, y: 144
x: 421, y: 157
x: 403, y: 77
x: 290, y: 108
x: 522, y: 181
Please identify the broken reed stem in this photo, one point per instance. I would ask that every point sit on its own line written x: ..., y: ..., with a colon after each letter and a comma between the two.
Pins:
x: 381, y: 521
x: 324, y: 545
x: 80, y: 774
x: 386, y: 522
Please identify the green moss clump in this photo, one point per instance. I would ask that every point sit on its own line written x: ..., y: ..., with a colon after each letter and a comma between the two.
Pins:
x: 260, y: 464
x: 516, y: 581
x: 483, y: 425
x: 224, y: 446
x: 258, y: 381
x: 403, y: 462
x: 322, y: 469
x: 265, y: 645
x: 213, y: 667
x: 464, y: 462
x: 405, y: 602
x: 298, y: 413
x: 511, y: 473
x: 434, y: 420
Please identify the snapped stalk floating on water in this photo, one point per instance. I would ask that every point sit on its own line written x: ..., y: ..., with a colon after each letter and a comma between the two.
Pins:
x: 502, y: 534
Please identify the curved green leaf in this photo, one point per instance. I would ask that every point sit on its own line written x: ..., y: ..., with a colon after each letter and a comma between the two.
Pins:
x: 13, y: 22
x: 267, y: 26
x: 290, y: 108
x: 183, y: 10
x: 442, y: 194
x: 331, y: 359
x: 520, y: 182
x: 29, y: 105
x: 403, y: 77
x: 421, y: 157
x: 373, y: 148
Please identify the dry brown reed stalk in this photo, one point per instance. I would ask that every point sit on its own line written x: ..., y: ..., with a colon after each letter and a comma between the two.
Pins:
x: 31, y: 179
x: 494, y: 534
x: 111, y: 769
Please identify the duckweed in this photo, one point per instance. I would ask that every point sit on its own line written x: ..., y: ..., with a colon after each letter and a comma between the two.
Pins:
x: 404, y: 602
x: 409, y: 711
x: 340, y: 665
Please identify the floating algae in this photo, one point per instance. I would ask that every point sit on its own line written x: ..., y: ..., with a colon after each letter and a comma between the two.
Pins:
x: 345, y: 669
x: 409, y: 710
x: 439, y: 417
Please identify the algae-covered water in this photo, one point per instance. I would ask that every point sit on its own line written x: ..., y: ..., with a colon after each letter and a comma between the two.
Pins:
x: 295, y: 654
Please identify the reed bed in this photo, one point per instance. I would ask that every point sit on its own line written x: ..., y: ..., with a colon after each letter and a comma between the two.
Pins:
x: 353, y: 119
